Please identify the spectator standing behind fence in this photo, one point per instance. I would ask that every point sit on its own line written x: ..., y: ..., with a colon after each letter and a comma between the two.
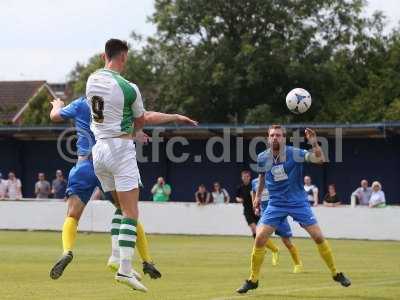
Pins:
x: 59, y: 185
x: 202, y: 196
x: 218, y: 194
x: 362, y: 194
x: 331, y: 199
x: 311, y: 190
x: 13, y: 187
x: 161, y: 190
x: 42, y: 187
x: 377, y: 199
x: 3, y: 187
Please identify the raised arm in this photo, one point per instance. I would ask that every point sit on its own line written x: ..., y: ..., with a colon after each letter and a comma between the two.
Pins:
x: 316, y: 154
x: 55, y: 115
x: 167, y: 189
x: 154, y: 188
x: 157, y: 118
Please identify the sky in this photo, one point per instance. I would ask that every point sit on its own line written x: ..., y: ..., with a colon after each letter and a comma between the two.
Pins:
x: 43, y: 39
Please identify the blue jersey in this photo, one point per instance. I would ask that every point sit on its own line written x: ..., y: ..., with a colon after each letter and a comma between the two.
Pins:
x: 79, y: 111
x: 284, y: 178
x: 254, y: 187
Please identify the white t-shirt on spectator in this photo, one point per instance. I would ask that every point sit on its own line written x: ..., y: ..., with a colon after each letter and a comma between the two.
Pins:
x: 219, y: 197
x: 377, y: 198
x: 12, y: 189
x: 3, y: 188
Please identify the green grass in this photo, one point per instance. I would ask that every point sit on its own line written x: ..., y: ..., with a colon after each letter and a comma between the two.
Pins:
x: 194, y: 267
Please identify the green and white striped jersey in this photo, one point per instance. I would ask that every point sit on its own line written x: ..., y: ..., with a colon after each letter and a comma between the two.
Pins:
x: 114, y: 103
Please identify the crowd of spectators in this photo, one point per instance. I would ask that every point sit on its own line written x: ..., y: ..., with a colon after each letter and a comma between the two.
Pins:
x: 11, y: 188
x: 218, y: 195
x: 365, y: 195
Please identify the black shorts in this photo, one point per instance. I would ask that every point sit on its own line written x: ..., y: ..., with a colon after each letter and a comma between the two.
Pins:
x: 251, y: 217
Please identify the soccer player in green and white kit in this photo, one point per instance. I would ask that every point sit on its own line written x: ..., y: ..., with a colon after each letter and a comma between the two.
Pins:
x: 118, y: 116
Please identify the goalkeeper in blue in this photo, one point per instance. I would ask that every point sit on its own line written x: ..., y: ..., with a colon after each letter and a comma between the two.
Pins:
x: 280, y: 168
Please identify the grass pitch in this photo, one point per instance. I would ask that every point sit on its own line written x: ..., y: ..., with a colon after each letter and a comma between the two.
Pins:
x: 194, y: 267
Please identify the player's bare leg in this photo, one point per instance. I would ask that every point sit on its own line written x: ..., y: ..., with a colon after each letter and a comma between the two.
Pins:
x: 253, y: 228
x: 326, y: 254
x: 298, y: 265
x: 257, y: 257
x: 74, y: 212
x: 128, y: 201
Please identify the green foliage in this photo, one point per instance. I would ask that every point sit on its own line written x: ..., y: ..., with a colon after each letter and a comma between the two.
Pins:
x: 81, y: 73
x: 37, y: 112
x: 392, y: 113
x: 138, y: 70
x: 5, y: 110
x: 234, y: 61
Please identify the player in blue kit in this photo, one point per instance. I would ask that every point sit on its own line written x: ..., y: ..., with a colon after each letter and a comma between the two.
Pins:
x: 82, y: 181
x: 281, y: 169
x: 283, y: 230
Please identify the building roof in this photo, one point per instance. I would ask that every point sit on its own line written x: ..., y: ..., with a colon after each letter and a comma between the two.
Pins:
x: 14, y: 95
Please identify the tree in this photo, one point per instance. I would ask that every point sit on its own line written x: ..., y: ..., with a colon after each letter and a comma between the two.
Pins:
x: 392, y: 113
x: 220, y: 59
x: 37, y: 112
x: 234, y: 61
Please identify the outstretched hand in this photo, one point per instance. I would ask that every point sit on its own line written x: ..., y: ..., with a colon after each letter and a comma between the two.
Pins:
x: 57, y: 103
x: 180, y: 119
x: 311, y: 136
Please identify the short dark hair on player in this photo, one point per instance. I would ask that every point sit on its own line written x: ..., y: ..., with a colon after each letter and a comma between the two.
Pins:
x: 277, y: 126
x: 114, y: 47
x: 245, y: 172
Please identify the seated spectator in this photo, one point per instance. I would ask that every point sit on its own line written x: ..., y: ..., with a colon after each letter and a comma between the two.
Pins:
x: 3, y: 187
x: 218, y: 194
x: 13, y: 187
x: 377, y: 199
x: 362, y: 194
x: 42, y: 187
x: 161, y: 190
x: 202, y: 196
x: 311, y: 190
x: 59, y: 185
x: 331, y: 199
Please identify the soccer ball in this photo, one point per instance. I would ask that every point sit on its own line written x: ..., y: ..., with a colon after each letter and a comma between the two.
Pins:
x: 298, y: 101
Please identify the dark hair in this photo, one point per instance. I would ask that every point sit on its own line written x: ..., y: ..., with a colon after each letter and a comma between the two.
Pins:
x: 219, y: 185
x: 114, y: 47
x: 245, y: 172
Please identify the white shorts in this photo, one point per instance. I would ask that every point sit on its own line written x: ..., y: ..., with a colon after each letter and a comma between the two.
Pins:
x: 115, y: 165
